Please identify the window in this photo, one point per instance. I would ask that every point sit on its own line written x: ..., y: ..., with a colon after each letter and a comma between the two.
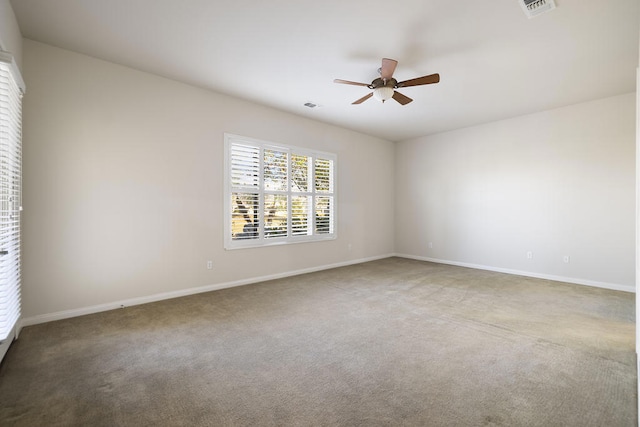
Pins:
x: 276, y: 194
x: 11, y: 90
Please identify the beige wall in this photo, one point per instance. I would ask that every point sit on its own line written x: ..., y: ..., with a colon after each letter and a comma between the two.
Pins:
x: 556, y: 183
x: 123, y: 186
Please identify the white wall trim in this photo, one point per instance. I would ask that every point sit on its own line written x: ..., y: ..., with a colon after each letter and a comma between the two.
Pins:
x: 612, y: 286
x: 44, y: 318
x: 8, y: 58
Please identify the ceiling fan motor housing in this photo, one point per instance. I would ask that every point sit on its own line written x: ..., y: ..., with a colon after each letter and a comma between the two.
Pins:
x: 380, y: 82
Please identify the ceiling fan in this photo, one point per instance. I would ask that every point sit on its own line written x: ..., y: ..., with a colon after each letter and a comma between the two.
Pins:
x: 384, y: 87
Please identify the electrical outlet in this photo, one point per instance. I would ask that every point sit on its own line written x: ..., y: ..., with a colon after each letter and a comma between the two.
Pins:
x: 430, y: 245
x: 566, y: 259
x: 529, y: 255
x: 209, y: 265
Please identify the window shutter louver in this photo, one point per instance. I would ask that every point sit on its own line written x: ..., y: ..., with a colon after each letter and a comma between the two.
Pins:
x: 275, y: 170
x: 300, y: 176
x: 245, y: 166
x: 11, y: 88
x: 300, y: 216
x: 324, y: 175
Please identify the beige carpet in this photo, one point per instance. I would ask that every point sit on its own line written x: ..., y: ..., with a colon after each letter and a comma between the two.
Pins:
x: 386, y: 343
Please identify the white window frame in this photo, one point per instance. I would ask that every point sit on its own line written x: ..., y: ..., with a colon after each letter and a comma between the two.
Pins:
x: 260, y: 240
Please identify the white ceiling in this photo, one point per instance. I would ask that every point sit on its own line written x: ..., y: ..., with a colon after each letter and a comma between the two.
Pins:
x: 494, y: 63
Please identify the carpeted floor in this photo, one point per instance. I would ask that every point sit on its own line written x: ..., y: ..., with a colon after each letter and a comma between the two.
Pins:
x: 385, y: 343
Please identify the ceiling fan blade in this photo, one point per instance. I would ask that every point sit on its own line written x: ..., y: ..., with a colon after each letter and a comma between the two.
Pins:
x: 347, y: 82
x: 425, y: 80
x: 364, y: 98
x: 388, y: 67
x: 404, y: 100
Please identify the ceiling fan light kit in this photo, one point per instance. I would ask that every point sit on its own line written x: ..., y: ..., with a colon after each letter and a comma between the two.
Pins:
x: 384, y: 87
x: 383, y: 93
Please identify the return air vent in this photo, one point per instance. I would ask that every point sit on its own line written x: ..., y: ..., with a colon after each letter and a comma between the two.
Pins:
x: 533, y: 8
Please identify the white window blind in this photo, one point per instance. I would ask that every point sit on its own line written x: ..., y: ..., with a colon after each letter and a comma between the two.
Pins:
x: 277, y: 194
x: 11, y: 90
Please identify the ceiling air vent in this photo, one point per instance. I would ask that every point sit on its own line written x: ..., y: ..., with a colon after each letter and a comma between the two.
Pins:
x: 533, y: 8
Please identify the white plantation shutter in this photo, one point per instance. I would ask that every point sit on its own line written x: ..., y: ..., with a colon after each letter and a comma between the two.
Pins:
x: 324, y: 175
x: 244, y: 179
x: 277, y: 194
x: 276, y: 170
x: 324, y: 200
x: 276, y: 199
x: 11, y: 89
x: 300, y: 216
x: 245, y: 166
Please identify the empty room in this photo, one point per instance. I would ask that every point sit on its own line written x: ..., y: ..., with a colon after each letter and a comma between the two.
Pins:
x: 295, y: 213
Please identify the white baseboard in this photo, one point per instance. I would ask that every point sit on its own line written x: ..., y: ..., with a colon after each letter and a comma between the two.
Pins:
x: 612, y: 286
x: 44, y: 318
